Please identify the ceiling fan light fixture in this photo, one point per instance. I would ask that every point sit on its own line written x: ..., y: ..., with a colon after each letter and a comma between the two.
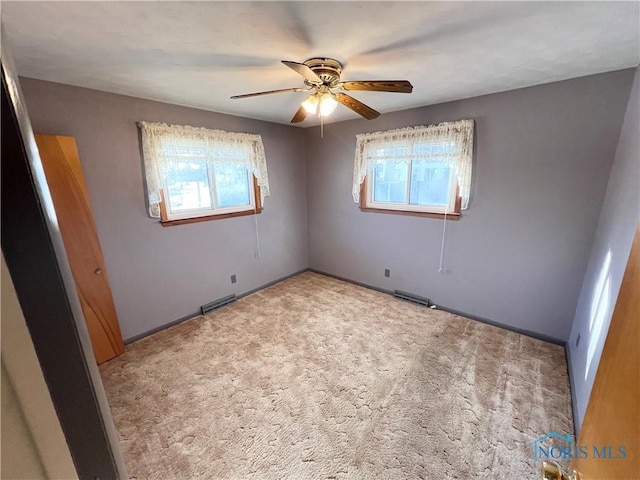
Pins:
x: 311, y: 104
x: 327, y: 104
x: 322, y: 74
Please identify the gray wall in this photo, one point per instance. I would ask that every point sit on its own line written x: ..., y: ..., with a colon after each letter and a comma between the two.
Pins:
x: 161, y: 274
x: 616, y: 228
x: 519, y: 254
x: 517, y: 257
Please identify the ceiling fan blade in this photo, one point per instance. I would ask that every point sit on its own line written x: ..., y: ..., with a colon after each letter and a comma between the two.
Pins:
x: 300, y: 115
x: 303, y: 70
x: 269, y: 92
x: 357, y: 106
x: 399, y: 86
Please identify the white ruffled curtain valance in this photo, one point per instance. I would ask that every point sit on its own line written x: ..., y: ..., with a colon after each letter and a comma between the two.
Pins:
x: 449, y: 142
x: 166, y: 145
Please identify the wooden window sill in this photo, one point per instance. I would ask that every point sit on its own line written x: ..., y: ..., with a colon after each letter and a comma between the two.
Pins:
x: 185, y: 221
x: 449, y: 216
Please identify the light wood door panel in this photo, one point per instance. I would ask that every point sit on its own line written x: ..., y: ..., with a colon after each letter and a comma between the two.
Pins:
x: 613, y: 413
x: 63, y: 170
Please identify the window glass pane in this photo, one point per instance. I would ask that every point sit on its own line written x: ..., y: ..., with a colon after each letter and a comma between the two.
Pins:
x: 430, y: 183
x: 390, y: 182
x: 232, y: 184
x: 188, y: 186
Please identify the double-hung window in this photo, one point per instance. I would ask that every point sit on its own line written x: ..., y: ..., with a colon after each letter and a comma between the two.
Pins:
x: 196, y: 174
x: 417, y: 170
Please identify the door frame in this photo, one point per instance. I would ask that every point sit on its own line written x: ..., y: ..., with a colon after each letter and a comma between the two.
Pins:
x: 37, y: 262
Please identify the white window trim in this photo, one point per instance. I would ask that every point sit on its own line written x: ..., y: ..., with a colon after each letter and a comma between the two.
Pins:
x: 406, y: 206
x: 210, y: 211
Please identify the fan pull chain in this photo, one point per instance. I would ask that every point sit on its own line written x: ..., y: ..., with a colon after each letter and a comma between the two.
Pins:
x: 321, y: 126
x: 444, y: 231
x: 255, y: 224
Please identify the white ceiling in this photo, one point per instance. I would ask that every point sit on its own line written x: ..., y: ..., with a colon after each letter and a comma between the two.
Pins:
x: 200, y: 53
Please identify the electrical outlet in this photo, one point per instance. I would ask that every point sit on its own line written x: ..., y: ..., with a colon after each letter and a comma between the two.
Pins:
x: 387, y: 272
x: 233, y: 278
x: 577, y: 340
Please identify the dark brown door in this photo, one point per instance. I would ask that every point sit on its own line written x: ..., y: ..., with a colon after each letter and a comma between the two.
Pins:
x: 612, y: 418
x: 69, y: 194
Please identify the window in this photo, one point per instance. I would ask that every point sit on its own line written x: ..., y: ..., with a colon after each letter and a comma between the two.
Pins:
x: 422, y: 171
x: 193, y: 187
x: 196, y: 174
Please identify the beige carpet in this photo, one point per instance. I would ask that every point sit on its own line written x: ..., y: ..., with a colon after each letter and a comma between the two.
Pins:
x: 314, y: 378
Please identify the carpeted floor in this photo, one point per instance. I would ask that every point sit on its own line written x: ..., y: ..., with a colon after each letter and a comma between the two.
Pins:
x: 314, y: 378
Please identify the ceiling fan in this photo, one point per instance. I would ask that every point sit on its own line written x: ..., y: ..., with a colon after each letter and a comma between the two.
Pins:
x: 322, y: 76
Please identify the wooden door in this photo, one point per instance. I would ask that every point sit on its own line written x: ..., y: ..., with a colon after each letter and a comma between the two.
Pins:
x: 613, y: 413
x: 62, y: 168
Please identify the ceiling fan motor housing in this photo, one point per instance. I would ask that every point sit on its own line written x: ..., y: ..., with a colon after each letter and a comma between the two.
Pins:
x: 327, y: 69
